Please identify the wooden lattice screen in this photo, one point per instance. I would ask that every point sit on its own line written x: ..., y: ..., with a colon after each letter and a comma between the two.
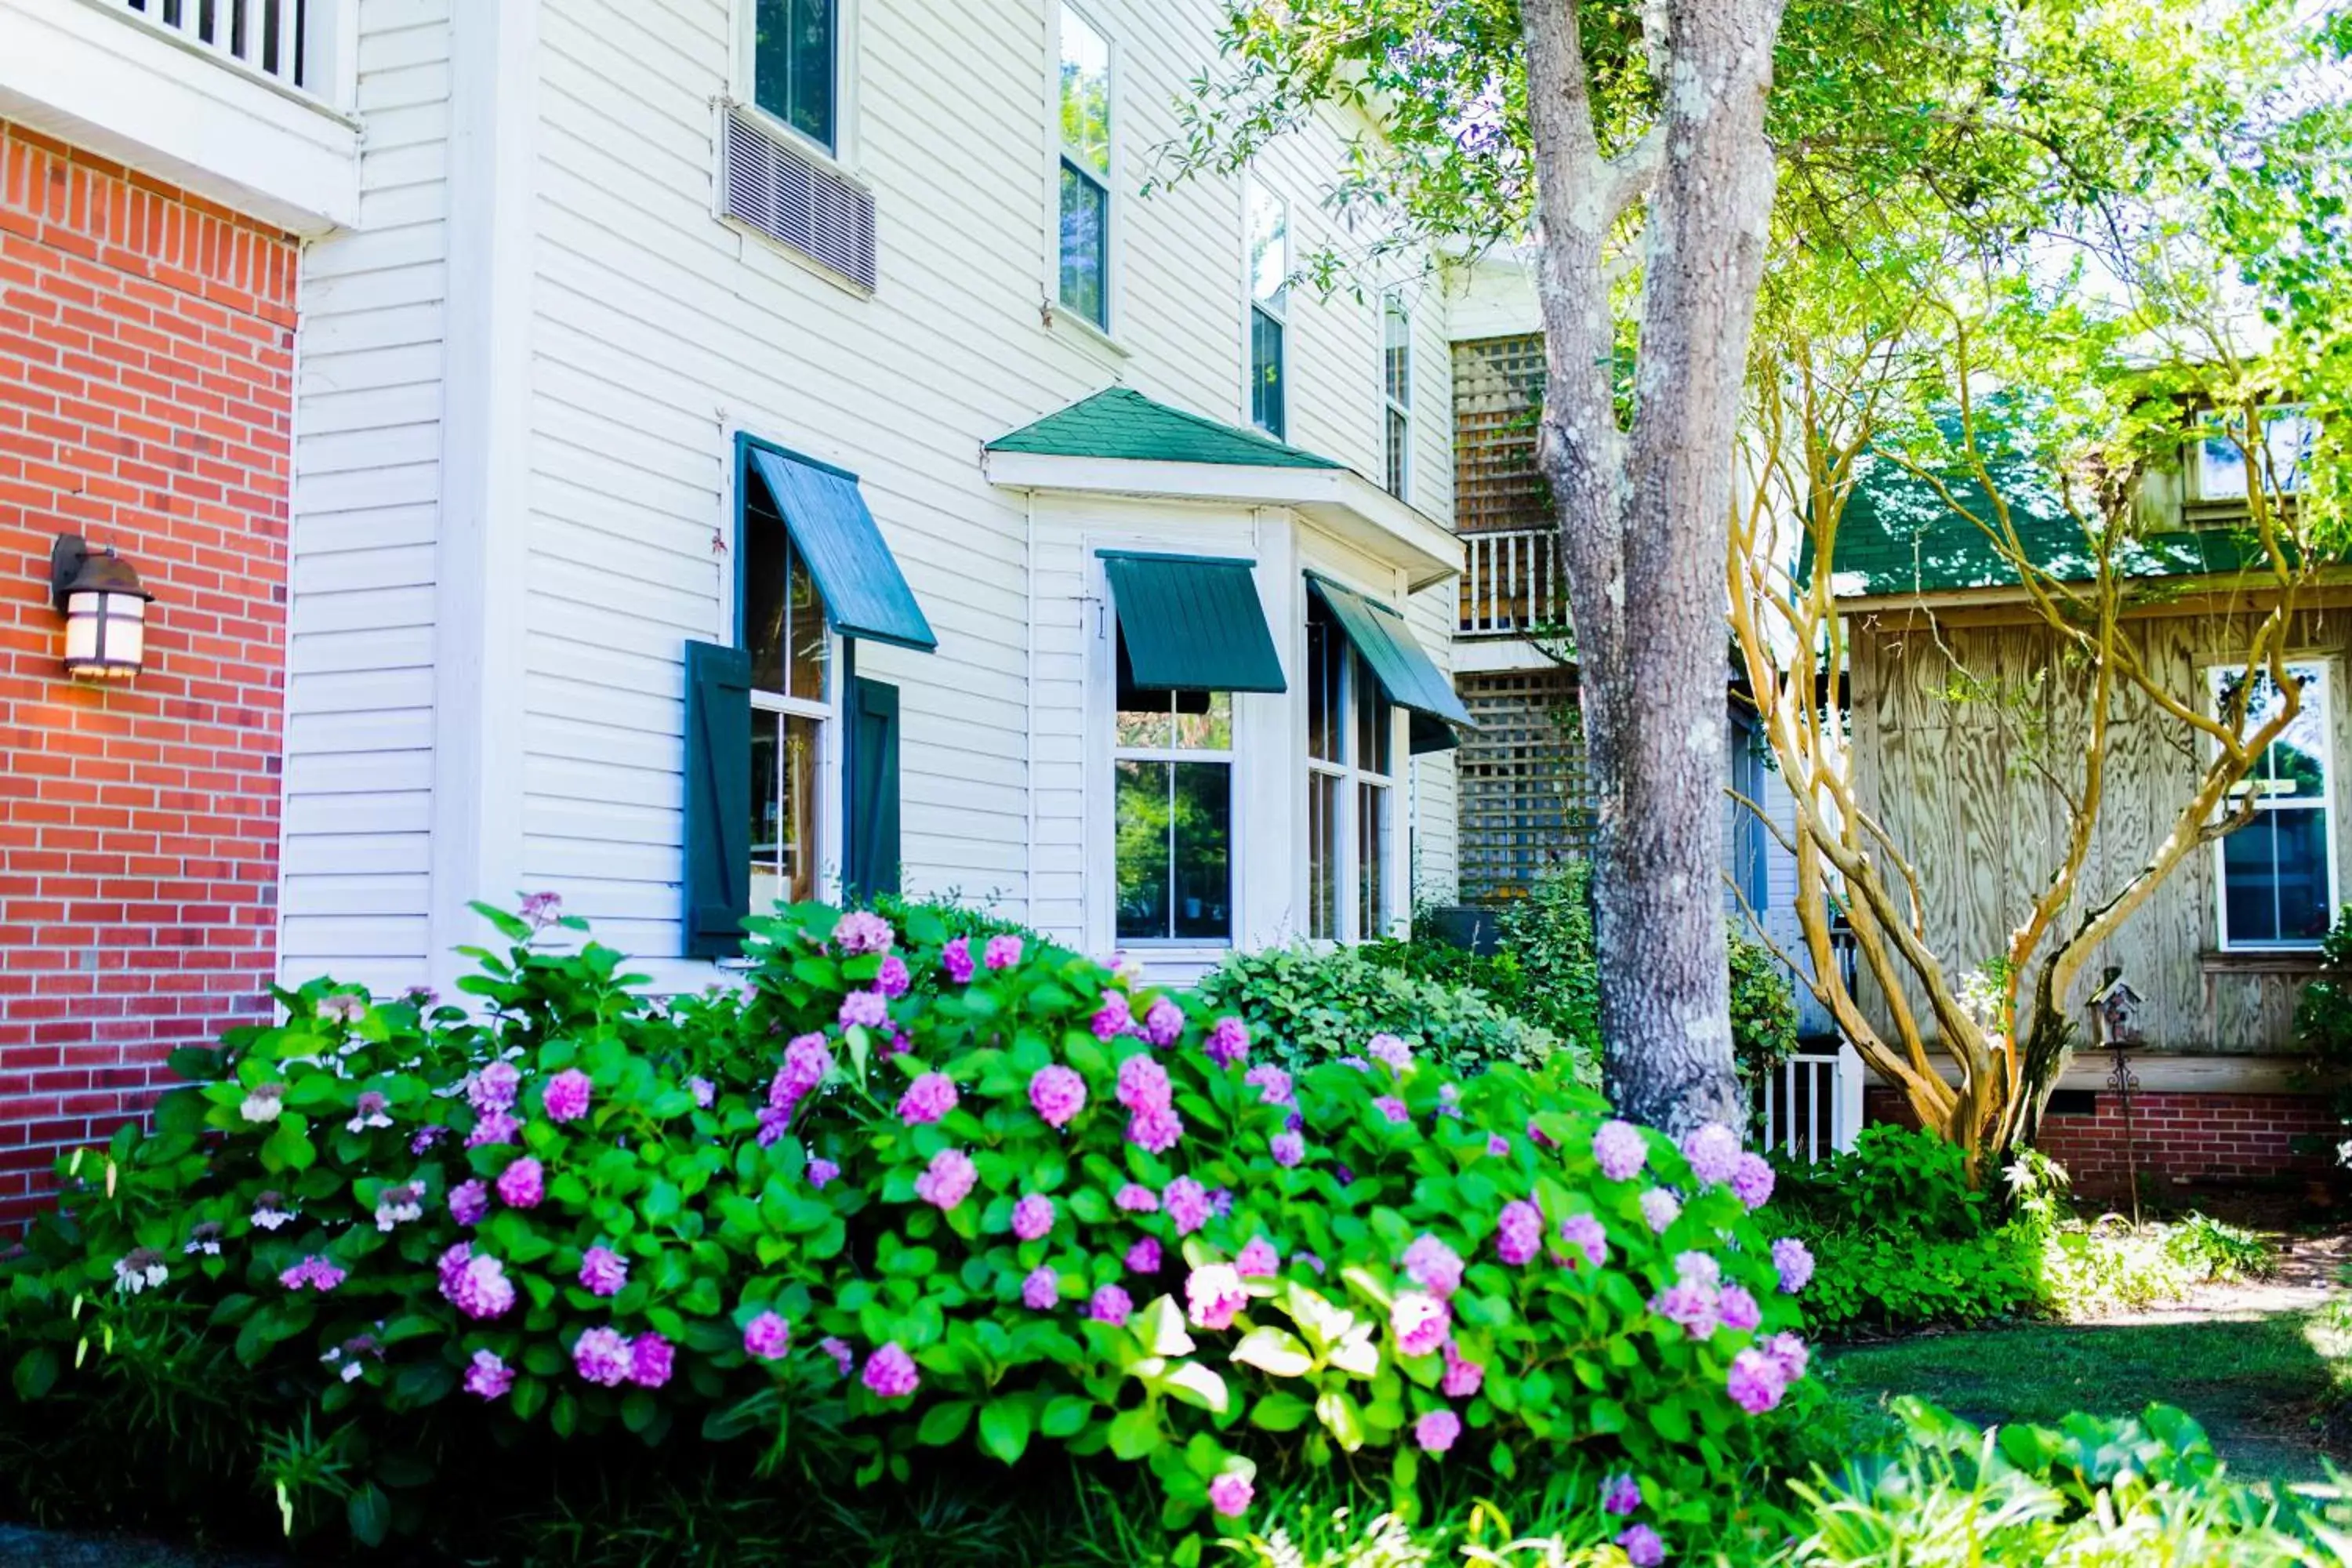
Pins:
x: 1524, y: 802
x: 1497, y: 385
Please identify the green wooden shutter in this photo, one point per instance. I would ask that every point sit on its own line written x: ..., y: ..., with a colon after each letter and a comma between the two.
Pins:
x: 717, y: 871
x: 872, y: 862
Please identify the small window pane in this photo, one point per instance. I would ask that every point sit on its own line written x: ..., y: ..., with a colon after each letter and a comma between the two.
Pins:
x: 1375, y: 735
x: 1086, y: 245
x: 1322, y: 856
x: 1399, y: 441
x: 793, y: 65
x: 1269, y: 249
x: 783, y: 809
x: 1204, y: 720
x: 1174, y: 832
x: 1141, y: 816
x: 1372, y: 860
x: 784, y: 617
x: 2274, y: 879
x: 1266, y: 373
x: 1085, y: 95
x: 1325, y: 648
x: 2288, y: 435
x: 1396, y: 352
x: 804, y: 621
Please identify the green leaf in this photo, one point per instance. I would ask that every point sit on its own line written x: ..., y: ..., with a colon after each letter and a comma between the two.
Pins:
x: 1135, y: 1433
x: 1163, y: 1327
x: 36, y: 1371
x: 1340, y: 1418
x: 1196, y: 1385
x: 369, y: 1512
x: 1004, y: 1429
x: 1275, y: 1351
x: 944, y: 1422
x: 1280, y: 1411
x: 1065, y: 1415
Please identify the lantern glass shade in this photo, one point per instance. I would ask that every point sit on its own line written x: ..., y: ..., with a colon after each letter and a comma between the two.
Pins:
x: 106, y: 634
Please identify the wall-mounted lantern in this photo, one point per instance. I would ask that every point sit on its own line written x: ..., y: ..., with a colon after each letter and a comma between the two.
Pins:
x: 104, y: 606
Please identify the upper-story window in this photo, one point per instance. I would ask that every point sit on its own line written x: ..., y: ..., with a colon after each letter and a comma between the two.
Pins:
x: 1350, y: 787
x: 2278, y: 871
x: 1085, y: 165
x: 1396, y: 392
x: 795, y: 64
x: 1269, y: 264
x: 2218, y: 454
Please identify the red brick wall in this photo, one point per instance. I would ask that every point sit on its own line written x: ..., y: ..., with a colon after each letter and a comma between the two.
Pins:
x: 146, y: 396
x: 2182, y: 1140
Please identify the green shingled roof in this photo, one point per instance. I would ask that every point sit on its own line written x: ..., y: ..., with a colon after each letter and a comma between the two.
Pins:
x: 1119, y: 422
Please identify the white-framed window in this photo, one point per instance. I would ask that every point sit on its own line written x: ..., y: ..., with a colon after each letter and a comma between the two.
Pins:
x: 794, y: 67
x: 1084, y: 207
x: 793, y: 715
x: 1396, y: 393
x: 1351, y: 788
x: 2218, y: 468
x: 2275, y: 877
x: 1269, y: 310
x: 1172, y: 813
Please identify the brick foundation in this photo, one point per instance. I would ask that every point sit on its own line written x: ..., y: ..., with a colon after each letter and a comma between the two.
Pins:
x: 2182, y: 1140
x: 146, y: 398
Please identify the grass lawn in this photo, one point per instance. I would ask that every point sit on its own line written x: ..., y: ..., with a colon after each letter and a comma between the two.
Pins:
x: 2260, y: 1385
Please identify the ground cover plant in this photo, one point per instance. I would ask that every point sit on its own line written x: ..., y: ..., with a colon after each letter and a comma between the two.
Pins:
x: 909, y: 1194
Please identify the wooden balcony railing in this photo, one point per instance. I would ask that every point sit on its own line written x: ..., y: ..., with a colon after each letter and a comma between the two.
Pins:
x: 1511, y: 583
x: 275, y: 39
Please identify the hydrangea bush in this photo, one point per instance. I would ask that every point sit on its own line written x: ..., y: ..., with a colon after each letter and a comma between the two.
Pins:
x: 911, y: 1190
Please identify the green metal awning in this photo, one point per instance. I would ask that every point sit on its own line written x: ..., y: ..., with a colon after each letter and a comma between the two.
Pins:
x: 1403, y: 670
x: 1192, y: 623
x: 866, y: 594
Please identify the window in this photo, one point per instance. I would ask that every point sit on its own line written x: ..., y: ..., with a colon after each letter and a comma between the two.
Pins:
x: 2277, y: 873
x: 785, y: 631
x: 1269, y: 263
x: 795, y: 46
x: 1396, y: 389
x: 1084, y: 101
x: 1350, y: 788
x: 2219, y: 456
x: 1172, y: 755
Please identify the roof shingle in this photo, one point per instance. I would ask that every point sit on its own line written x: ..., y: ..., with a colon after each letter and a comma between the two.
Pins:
x: 1119, y: 422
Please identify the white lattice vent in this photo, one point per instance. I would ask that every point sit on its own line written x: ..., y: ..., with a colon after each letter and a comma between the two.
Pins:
x: 772, y: 186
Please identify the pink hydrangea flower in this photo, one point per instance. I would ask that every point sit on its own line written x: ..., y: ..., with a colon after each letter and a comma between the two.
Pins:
x: 522, y: 1185
x: 1436, y: 1431
x: 1433, y: 1266
x: 1136, y: 1198
x: 1057, y: 1093
x: 864, y: 1010
x: 1642, y: 1546
x: 767, y: 1336
x: 1228, y: 1041
x: 1463, y: 1378
x: 955, y: 959
x: 1795, y: 1262
x: 1213, y: 1294
x: 477, y: 1286
x: 602, y: 1357
x: 1156, y: 1130
x: 1620, y: 1149
x: 312, y: 1273
x: 651, y: 1359
x: 1738, y: 1309
x: 1187, y: 1202
x: 1420, y: 1322
x: 1143, y: 1084
x: 469, y: 1201
x: 487, y: 1376
x: 493, y: 1127
x: 1110, y: 1305
x: 1390, y: 1105
x: 426, y: 1137
x: 1518, y: 1233
x: 843, y: 1356
x: 1113, y: 1019
x: 1713, y: 1151
x: 494, y: 1087
x: 1230, y: 1494
x: 1699, y: 1268
x: 861, y: 931
x: 1690, y: 1305
x: 1042, y: 1289
x: 1287, y: 1149
x: 1033, y: 1217
x: 1755, y: 1381
x: 1660, y: 1208
x: 1389, y: 1051
x: 1002, y: 952
x: 1163, y: 1021
x: 822, y: 1170
x: 930, y: 1096
x: 1753, y: 1181
x: 602, y: 1271
x: 1273, y: 1085
x: 948, y: 1179
x: 567, y: 1095
x: 892, y: 979
x: 1257, y: 1260
x: 1143, y: 1257
x: 1621, y: 1495
x: 1582, y: 1235
x: 890, y: 1373
x: 1790, y: 1354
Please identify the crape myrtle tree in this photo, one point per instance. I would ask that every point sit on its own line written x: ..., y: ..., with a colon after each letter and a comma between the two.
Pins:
x: 2024, y: 384
x: 1654, y: 159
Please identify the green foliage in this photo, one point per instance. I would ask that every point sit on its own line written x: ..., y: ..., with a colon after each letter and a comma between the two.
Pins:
x: 1896, y: 1180
x: 1500, y: 977
x: 2323, y: 1018
x: 277, y: 1266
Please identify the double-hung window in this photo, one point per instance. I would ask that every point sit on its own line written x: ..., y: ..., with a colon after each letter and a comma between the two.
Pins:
x: 784, y: 631
x: 1396, y: 392
x: 1173, y: 756
x: 1269, y: 283
x: 1085, y: 170
x: 2282, y: 458
x: 1350, y: 787
x: 795, y: 66
x: 2278, y: 871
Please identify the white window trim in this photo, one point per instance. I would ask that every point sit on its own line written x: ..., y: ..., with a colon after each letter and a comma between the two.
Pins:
x: 1388, y: 404
x: 2194, y: 462
x: 1277, y: 310
x: 2325, y: 665
x: 1105, y: 335
x: 842, y: 157
x: 1347, y: 892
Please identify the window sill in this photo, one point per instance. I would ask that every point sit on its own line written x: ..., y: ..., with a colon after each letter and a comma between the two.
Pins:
x: 1075, y: 329
x: 2303, y: 960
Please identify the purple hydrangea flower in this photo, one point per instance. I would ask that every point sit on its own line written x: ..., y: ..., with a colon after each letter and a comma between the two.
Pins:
x: 1110, y: 1305
x: 1620, y: 1149
x: 493, y: 1127
x: 602, y: 1357
x: 1221, y: 1201
x: 1713, y: 1151
x: 1449, y: 1099
x: 487, y: 1376
x: 1738, y: 1309
x: 890, y: 1373
x: 1642, y: 1546
x: 955, y: 959
x: 494, y: 1087
x: 1795, y: 1262
x: 1518, y: 1233
x: 426, y: 1137
x: 892, y: 979
x: 1436, y: 1431
x: 1228, y: 1041
x: 1137, y: 1198
x: 1689, y: 1304
x: 522, y: 1185
x: 1002, y: 952
x: 1790, y: 1354
x: 1257, y: 1260
x: 1309, y: 1260
x: 1213, y: 1294
x: 1163, y: 1021
x: 469, y: 1201
x: 1113, y: 1019
x: 773, y: 1124
x: 930, y: 1096
x: 1143, y: 1257
x: 1143, y: 1084
x: 1042, y: 1289
x: 602, y: 1271
x: 1582, y: 1235
x: 1433, y: 1266
x: 1273, y: 1085
x: 1057, y: 1093
x: 864, y: 1010
x: 1660, y: 1208
x: 948, y: 1179
x: 1390, y: 1105
x: 1287, y: 1149
x: 567, y: 1095
x: 313, y: 1273
x: 1389, y: 1051
x: 1621, y: 1495
x: 1033, y: 1217
x: 476, y: 1286
x: 703, y: 1090
x: 767, y: 1336
x: 1755, y: 1381
x: 1753, y: 1181
x: 1155, y: 1129
x: 1538, y: 1137
x: 1230, y: 1494
x: 1462, y: 1378
x: 1498, y: 1145
x: 651, y: 1359
x: 821, y: 1172
x: 1420, y: 1322
x: 861, y: 931
x: 1699, y: 1268
x: 1187, y: 1202
x: 843, y: 1356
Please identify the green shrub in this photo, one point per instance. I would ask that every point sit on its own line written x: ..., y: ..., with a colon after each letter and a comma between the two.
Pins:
x: 895, y: 1197
x: 1499, y: 977
x: 1894, y: 1179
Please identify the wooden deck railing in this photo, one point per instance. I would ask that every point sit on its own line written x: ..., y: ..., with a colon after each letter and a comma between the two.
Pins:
x: 1511, y: 583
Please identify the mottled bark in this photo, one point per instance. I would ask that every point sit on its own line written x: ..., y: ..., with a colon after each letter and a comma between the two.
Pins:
x: 1642, y: 507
